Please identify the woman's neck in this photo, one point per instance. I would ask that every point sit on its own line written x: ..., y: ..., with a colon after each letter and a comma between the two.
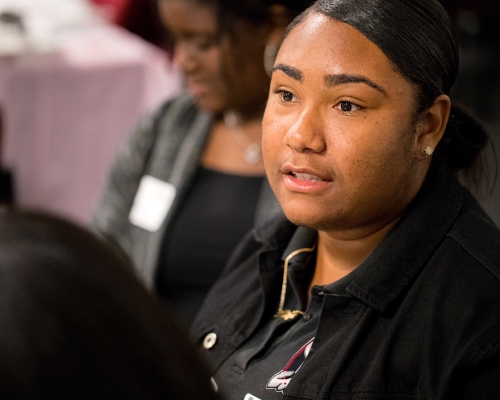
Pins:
x: 234, y: 145
x: 338, y: 256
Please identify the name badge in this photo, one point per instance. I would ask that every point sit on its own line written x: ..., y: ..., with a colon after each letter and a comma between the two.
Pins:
x: 250, y: 397
x: 151, y: 204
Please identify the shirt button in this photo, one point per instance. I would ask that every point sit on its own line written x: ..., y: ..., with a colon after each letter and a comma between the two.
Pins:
x: 321, y: 294
x: 307, y: 317
x: 209, y: 340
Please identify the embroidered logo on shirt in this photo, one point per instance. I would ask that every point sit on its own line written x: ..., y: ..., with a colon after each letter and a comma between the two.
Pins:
x: 280, y: 381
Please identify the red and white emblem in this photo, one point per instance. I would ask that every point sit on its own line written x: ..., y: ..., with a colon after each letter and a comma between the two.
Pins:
x: 280, y: 381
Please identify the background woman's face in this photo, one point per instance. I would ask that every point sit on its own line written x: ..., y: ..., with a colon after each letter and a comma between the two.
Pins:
x: 339, y: 139
x: 223, y: 71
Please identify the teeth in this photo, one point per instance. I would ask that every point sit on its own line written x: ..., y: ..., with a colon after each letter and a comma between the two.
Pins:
x: 308, y: 177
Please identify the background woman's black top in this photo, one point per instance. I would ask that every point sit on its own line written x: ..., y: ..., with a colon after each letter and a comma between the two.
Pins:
x: 205, y: 231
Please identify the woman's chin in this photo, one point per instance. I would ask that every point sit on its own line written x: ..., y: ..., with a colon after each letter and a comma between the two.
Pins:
x: 305, y: 218
x: 208, y: 103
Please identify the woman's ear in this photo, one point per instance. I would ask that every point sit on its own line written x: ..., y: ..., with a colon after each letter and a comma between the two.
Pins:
x: 432, y: 124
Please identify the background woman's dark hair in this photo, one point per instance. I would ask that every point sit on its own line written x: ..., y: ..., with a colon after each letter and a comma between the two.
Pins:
x: 76, y: 323
x: 253, y: 11
x: 416, y: 36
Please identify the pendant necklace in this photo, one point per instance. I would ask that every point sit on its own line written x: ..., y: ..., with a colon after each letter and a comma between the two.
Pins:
x: 290, y: 314
x: 252, y: 150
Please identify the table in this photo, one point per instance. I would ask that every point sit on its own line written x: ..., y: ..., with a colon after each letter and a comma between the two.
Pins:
x: 65, y: 114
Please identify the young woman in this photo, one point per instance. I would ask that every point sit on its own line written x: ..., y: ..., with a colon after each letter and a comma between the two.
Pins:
x: 190, y: 182
x: 384, y: 282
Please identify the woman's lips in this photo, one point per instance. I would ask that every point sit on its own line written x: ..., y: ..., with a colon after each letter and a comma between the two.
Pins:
x: 300, y: 180
x: 197, y: 88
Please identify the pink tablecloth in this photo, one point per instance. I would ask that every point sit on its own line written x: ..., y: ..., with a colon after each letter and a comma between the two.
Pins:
x: 66, y: 114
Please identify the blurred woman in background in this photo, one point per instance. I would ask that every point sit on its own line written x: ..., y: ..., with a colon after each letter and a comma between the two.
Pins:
x: 190, y: 182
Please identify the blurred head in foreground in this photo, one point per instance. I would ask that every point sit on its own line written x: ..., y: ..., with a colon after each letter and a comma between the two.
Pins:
x: 77, y: 324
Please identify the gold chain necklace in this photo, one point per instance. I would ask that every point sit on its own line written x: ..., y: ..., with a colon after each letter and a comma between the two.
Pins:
x: 289, y: 314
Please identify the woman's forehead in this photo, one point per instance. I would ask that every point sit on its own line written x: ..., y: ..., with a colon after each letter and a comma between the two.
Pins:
x: 329, y: 43
x: 187, y: 15
x: 328, y: 29
x: 326, y: 53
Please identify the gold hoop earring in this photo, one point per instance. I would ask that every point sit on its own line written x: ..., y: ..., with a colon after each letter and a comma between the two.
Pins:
x: 427, y: 151
x: 269, y: 58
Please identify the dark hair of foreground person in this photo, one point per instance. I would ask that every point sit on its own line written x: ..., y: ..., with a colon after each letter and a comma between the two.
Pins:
x: 76, y: 323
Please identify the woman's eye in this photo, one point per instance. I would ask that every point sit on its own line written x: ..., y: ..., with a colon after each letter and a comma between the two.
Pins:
x: 286, y: 96
x: 194, y: 45
x: 204, y: 45
x: 347, y: 106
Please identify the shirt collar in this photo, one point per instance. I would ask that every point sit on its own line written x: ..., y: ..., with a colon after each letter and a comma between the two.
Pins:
x: 408, y: 247
x: 302, y: 238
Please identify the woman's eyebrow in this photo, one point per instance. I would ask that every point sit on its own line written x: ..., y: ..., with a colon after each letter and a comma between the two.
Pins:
x: 339, y: 79
x: 330, y: 79
x: 292, y: 72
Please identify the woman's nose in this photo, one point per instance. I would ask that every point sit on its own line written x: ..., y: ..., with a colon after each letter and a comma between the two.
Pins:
x: 306, y: 134
x: 185, y: 57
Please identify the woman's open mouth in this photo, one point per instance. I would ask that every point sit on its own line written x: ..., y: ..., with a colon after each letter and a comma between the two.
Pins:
x: 306, y: 177
x: 303, y: 180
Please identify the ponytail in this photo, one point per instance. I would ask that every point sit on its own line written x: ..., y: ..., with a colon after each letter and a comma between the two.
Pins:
x: 462, y: 142
x: 461, y: 150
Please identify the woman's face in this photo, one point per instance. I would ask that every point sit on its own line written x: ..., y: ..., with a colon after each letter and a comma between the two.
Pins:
x: 339, y: 137
x: 221, y: 71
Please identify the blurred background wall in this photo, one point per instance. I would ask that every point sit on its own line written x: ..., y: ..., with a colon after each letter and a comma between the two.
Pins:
x: 477, y: 27
x: 75, y: 77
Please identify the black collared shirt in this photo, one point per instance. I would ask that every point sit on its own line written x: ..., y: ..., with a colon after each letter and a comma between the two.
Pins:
x: 419, y: 319
x: 265, y: 365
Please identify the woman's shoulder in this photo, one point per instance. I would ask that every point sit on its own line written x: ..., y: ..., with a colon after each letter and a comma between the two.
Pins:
x: 467, y: 265
x: 180, y: 110
x: 477, y: 236
x: 164, y: 129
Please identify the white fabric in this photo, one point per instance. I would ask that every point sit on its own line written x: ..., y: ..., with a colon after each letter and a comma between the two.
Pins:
x: 66, y: 113
x: 43, y: 22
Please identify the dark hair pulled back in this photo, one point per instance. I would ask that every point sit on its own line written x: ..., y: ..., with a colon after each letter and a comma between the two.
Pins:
x: 416, y: 36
